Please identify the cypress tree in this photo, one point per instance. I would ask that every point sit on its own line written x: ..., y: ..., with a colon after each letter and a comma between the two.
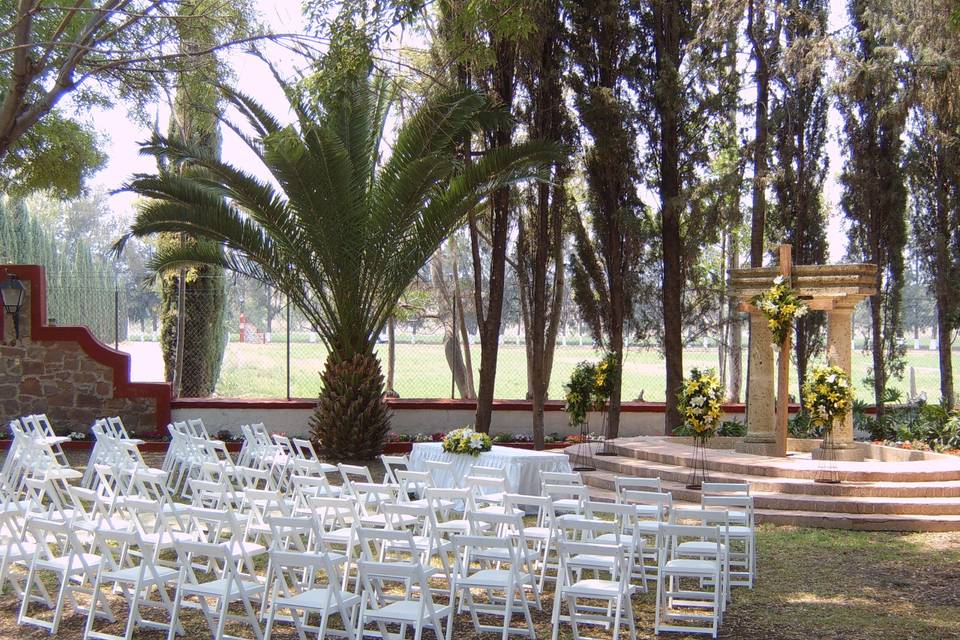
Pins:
x: 799, y: 124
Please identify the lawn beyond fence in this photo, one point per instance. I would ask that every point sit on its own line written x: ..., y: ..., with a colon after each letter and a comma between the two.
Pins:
x: 259, y: 370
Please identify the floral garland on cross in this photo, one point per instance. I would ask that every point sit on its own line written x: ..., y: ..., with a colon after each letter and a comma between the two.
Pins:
x: 828, y: 396
x: 781, y: 305
x: 467, y: 441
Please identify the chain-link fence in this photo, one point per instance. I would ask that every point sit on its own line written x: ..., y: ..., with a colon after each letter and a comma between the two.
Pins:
x: 270, y: 351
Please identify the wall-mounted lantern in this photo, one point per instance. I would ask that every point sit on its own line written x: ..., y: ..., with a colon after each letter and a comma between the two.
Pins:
x: 12, y: 292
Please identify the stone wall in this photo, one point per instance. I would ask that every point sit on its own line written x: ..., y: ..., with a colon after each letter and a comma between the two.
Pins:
x: 67, y: 374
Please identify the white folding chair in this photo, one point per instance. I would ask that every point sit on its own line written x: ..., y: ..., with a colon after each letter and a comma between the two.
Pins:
x: 692, y: 548
x: 690, y: 595
x: 653, y: 510
x: 309, y: 583
x: 442, y: 473
x: 580, y: 594
x: 567, y: 498
x: 16, y: 550
x: 742, y: 533
x: 630, y: 483
x: 488, y: 491
x: 504, y: 581
x: 412, y: 606
x: 625, y: 517
x: 59, y: 551
x: 542, y: 534
x: 440, y: 501
x: 392, y: 464
x: 224, y: 582
x: 136, y: 577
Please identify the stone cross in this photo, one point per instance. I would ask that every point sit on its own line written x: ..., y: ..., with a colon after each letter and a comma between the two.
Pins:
x: 835, y: 289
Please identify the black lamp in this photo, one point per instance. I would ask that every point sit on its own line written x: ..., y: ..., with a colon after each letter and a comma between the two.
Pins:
x: 12, y: 293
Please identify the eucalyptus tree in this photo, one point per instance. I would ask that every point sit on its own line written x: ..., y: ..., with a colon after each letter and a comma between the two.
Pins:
x: 343, y: 226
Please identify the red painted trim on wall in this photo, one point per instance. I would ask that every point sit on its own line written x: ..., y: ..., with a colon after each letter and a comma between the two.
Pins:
x: 119, y: 361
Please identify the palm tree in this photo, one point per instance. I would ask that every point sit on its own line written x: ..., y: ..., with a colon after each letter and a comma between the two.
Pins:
x: 342, y: 229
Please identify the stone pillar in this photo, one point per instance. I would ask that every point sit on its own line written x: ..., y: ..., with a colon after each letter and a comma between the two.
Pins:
x: 761, y: 436
x: 839, y: 341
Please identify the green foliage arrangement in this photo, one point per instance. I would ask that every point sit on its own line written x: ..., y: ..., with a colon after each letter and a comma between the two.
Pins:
x: 467, y: 441
x: 590, y: 387
x: 700, y: 401
x: 827, y: 396
x: 781, y: 305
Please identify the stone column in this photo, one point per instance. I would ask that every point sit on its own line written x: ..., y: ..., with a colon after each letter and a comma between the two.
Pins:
x: 761, y: 436
x: 839, y: 339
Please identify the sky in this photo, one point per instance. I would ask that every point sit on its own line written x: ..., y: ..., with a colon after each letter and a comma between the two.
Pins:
x: 122, y: 134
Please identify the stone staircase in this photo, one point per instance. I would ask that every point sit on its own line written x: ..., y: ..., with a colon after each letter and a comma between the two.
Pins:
x: 917, y: 495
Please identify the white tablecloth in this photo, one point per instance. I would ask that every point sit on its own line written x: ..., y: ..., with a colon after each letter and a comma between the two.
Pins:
x: 522, y: 466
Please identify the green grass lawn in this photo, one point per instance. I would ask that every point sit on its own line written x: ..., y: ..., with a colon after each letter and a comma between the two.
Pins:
x: 259, y: 370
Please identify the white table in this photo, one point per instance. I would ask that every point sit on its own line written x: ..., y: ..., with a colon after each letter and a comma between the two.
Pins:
x: 522, y: 466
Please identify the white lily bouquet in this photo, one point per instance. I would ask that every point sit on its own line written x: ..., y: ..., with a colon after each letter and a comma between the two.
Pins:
x: 466, y: 440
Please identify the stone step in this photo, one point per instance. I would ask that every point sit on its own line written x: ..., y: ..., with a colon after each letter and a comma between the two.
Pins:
x: 768, y: 500
x: 658, y: 450
x: 629, y: 466
x: 827, y: 520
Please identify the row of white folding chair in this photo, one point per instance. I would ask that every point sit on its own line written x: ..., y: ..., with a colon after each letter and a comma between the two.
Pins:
x: 35, y: 450
x: 112, y: 446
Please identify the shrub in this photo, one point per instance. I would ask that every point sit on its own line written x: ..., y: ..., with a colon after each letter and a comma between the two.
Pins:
x: 732, y: 429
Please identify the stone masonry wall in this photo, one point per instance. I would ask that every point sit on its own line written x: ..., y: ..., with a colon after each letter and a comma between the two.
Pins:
x: 60, y: 378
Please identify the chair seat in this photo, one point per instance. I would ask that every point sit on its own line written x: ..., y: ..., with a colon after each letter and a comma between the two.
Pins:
x: 315, y: 600
x: 588, y: 561
x: 403, y: 611
x: 566, y: 504
x: 650, y: 527
x: 696, y: 547
x: 344, y: 535
x: 490, y: 498
x: 70, y: 564
x: 379, y: 520
x: 739, y: 531
x: 130, y: 575
x: 493, y: 578
x: 165, y: 539
x: 685, y: 566
x: 610, y: 538
x: 539, y: 533
x: 12, y: 553
x: 596, y: 588
x: 460, y: 526
x: 251, y: 548
x: 218, y: 588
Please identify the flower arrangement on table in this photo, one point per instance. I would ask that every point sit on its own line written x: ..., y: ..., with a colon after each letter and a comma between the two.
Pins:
x: 590, y: 387
x: 781, y: 305
x: 466, y: 440
x: 700, y: 400
x: 828, y: 396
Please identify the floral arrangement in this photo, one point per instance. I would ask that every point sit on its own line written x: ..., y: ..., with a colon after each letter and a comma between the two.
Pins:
x: 827, y: 395
x: 77, y: 435
x: 590, y: 387
x: 468, y: 441
x: 781, y: 304
x: 700, y: 401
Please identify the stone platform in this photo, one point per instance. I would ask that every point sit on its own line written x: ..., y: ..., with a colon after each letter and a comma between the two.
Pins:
x: 896, y: 493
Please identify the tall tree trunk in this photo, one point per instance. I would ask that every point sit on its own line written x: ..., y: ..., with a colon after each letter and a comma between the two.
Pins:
x: 945, y: 353
x: 667, y: 16
x: 735, y: 341
x: 471, y: 391
x: 489, y: 322
x: 391, y: 357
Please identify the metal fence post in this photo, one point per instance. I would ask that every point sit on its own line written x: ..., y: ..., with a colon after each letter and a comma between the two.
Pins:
x: 288, y: 347
x: 116, y: 314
